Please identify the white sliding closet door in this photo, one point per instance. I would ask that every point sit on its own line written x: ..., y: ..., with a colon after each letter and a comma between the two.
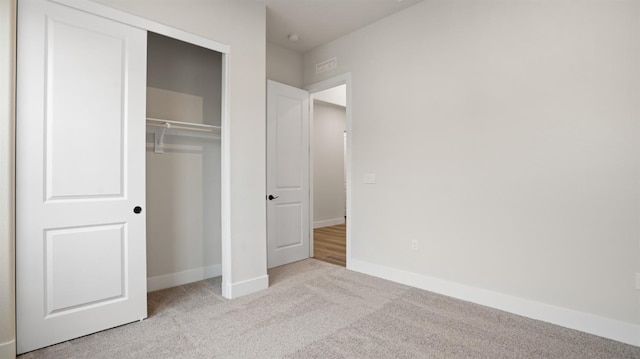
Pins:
x: 80, y: 174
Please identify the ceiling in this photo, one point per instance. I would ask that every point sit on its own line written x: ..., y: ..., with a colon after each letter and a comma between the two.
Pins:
x: 335, y: 95
x: 320, y: 21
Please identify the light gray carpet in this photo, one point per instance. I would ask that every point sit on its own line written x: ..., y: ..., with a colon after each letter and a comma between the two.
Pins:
x: 317, y: 310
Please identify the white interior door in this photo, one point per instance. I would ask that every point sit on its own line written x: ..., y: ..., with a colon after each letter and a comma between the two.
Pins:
x: 80, y: 250
x: 287, y: 174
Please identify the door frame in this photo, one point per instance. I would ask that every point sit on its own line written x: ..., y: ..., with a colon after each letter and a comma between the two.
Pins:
x: 225, y: 147
x: 344, y: 79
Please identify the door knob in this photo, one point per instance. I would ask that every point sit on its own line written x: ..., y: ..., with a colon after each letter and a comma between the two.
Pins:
x: 137, y: 209
x: 272, y: 197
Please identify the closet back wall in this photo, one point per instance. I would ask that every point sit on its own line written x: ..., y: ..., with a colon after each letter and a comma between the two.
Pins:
x: 183, y: 183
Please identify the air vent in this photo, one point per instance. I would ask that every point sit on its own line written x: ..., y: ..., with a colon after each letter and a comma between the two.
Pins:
x: 326, y: 65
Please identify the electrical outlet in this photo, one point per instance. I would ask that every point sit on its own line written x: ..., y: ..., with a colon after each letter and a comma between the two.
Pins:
x: 369, y: 178
x: 638, y: 281
x: 414, y: 245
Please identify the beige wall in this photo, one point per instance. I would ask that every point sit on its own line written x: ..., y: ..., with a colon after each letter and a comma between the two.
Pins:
x: 7, y: 93
x: 505, y: 137
x: 284, y: 65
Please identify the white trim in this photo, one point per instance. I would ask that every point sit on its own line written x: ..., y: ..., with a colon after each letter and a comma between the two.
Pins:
x: 321, y: 86
x: 246, y: 287
x: 146, y: 24
x: 585, y: 322
x: 311, y: 175
x: 225, y: 185
x: 8, y: 350
x: 328, y: 222
x: 184, y: 277
x: 8, y: 30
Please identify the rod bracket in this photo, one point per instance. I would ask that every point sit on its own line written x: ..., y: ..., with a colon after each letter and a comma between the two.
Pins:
x: 159, y: 138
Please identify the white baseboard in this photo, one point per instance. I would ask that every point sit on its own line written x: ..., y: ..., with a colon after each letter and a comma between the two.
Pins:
x: 585, y: 322
x: 328, y: 222
x: 239, y: 289
x: 8, y: 350
x: 180, y: 278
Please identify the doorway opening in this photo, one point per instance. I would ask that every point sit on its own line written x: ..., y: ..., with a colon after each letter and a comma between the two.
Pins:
x: 330, y: 180
x: 290, y: 180
x: 329, y: 147
x: 183, y: 165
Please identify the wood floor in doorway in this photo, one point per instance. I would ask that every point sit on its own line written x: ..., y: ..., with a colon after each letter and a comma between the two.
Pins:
x: 330, y: 244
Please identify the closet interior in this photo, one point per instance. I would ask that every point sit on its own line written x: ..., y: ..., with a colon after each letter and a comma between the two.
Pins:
x: 183, y: 188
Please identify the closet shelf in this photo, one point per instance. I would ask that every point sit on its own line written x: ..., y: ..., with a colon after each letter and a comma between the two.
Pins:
x: 179, y: 128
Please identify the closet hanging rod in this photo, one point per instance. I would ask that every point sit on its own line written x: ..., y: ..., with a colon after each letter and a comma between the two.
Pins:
x: 178, y: 125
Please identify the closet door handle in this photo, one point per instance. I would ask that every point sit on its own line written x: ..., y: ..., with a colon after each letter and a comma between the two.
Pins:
x: 271, y: 197
x: 137, y: 209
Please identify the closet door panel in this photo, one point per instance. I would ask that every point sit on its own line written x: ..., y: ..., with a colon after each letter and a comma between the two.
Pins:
x: 68, y: 284
x: 80, y: 246
x: 96, y: 121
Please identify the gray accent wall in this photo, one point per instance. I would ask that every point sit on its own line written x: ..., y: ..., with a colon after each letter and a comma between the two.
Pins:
x: 329, y: 123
